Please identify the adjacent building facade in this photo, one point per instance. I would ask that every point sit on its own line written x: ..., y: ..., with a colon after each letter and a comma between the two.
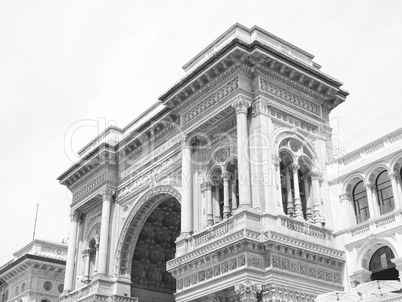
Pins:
x: 36, y: 273
x: 228, y: 188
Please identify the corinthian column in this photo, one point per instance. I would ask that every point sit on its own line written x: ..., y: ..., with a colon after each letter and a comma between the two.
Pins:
x: 72, y: 243
x: 394, y: 177
x: 241, y: 105
x: 298, y: 205
x: 206, y: 190
x: 104, y: 233
x: 186, y: 188
x: 247, y: 291
x: 315, y: 183
x: 85, y: 255
x: 289, y: 201
x: 372, y: 207
x: 309, y: 213
x: 226, y: 206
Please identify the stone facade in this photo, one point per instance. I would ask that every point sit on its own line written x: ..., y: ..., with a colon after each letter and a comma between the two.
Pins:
x: 36, y: 273
x: 228, y: 190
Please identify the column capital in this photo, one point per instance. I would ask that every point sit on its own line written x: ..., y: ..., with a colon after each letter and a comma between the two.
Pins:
x: 107, y: 194
x: 86, y: 252
x: 75, y: 216
x: 248, y: 291
x: 275, y: 159
x: 393, y: 175
x: 315, y: 175
x: 225, y: 176
x: 294, y: 168
x: 344, y: 196
x: 368, y: 185
x: 206, y: 186
x: 241, y: 105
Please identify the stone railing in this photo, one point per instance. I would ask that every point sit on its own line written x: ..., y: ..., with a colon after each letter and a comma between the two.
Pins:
x: 304, y: 227
x: 371, y: 225
x: 371, y: 148
x: 212, y: 232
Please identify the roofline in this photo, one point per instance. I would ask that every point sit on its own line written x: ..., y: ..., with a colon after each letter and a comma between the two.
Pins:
x: 249, y: 30
x: 250, y: 46
x: 10, y: 265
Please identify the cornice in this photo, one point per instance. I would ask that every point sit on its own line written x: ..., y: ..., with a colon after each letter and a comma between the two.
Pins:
x: 254, y: 47
x: 291, y: 241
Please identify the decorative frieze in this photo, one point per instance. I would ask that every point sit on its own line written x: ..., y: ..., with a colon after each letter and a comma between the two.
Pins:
x: 147, y: 178
x: 290, y: 97
x: 96, y: 182
x: 292, y: 121
x: 211, y: 101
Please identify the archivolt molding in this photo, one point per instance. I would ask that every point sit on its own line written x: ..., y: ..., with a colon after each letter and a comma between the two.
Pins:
x: 133, y: 225
x: 282, y: 134
x: 372, y: 244
x: 373, y: 170
x: 220, y: 157
x: 350, y: 182
x: 396, y: 163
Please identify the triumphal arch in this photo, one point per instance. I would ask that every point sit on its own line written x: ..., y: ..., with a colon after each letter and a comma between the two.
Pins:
x: 216, y: 193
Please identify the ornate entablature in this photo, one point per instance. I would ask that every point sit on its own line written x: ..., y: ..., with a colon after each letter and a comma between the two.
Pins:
x: 148, y: 177
x: 258, y: 58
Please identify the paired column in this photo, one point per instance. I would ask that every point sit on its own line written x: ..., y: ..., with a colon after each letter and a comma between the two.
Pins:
x: 216, y: 207
x: 96, y: 258
x: 394, y: 178
x: 86, y: 253
x: 234, y: 190
x: 289, y: 204
x: 104, y: 233
x: 309, y: 213
x: 372, y: 207
x: 226, y: 206
x: 315, y: 183
x: 72, y: 243
x: 206, y: 187
x: 241, y: 105
x: 297, y: 202
x: 186, y: 189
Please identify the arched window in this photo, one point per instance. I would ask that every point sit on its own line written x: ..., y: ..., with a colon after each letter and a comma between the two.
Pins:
x: 360, y: 202
x: 17, y: 291
x: 384, y: 193
x: 381, y: 266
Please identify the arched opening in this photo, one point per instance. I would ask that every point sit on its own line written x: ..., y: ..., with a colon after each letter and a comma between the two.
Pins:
x: 155, y: 246
x: 381, y: 266
x: 384, y: 192
x: 360, y: 202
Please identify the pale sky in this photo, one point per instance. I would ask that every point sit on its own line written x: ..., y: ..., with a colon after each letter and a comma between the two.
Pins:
x: 65, y: 63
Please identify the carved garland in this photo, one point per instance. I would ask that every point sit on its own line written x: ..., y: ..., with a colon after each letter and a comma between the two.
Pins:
x: 289, y: 97
x: 211, y: 101
x: 149, y: 177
